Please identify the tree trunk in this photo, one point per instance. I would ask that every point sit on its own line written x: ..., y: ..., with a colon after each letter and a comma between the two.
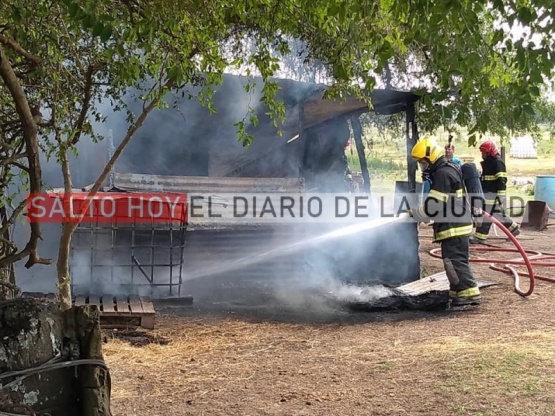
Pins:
x: 8, y: 289
x: 62, y: 266
x: 33, y: 333
x: 30, y: 137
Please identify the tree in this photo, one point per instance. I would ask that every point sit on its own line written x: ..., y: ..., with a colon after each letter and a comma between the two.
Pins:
x: 60, y: 58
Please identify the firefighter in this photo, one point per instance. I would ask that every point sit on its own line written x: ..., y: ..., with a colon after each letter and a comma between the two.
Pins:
x: 494, y: 185
x: 452, y: 231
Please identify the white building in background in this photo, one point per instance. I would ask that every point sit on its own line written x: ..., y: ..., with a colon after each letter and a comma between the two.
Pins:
x: 524, y: 147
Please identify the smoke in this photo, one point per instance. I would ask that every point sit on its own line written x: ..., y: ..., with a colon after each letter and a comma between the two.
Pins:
x: 300, y: 266
x: 351, y: 264
x: 187, y: 139
x: 173, y: 141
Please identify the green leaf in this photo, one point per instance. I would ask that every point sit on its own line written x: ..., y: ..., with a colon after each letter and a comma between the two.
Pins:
x: 106, y: 33
x: 340, y: 72
x: 536, y: 76
x: 97, y: 29
x: 525, y: 15
x: 521, y: 58
x: 73, y: 9
x: 16, y: 14
x: 87, y: 20
x: 528, y: 110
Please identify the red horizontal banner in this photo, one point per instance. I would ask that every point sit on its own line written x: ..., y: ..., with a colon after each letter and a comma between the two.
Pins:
x: 107, y: 207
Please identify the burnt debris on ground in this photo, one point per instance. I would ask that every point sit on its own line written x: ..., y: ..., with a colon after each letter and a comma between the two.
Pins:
x: 430, y: 293
x: 436, y: 300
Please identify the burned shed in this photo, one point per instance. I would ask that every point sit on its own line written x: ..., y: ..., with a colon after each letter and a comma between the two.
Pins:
x: 181, y: 151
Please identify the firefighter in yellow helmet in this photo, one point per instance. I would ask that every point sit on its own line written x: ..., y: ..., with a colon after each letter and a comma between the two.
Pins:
x: 446, y: 205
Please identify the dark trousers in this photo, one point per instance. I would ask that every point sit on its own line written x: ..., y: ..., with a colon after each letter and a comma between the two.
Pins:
x: 498, y: 212
x: 455, y: 255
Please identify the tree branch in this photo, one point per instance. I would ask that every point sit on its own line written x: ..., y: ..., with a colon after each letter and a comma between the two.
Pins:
x: 12, y: 159
x: 8, y: 243
x: 30, y: 251
x: 16, y: 47
x: 13, y: 217
x: 21, y: 166
x: 86, y: 103
x: 129, y: 135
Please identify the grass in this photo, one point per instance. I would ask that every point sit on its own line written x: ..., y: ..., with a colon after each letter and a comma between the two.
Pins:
x: 546, y: 148
x: 412, y: 364
x: 513, y: 364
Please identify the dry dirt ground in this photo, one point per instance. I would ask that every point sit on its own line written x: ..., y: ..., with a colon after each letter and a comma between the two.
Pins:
x: 228, y: 359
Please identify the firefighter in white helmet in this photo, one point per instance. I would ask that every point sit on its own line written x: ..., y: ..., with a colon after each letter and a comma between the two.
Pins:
x: 446, y: 205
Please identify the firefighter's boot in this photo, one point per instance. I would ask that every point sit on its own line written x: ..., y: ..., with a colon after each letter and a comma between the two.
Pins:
x: 466, y: 297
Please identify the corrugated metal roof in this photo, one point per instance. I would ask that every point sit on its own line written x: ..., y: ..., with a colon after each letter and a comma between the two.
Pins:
x: 233, y: 254
x: 134, y: 182
x: 318, y: 109
x: 214, y: 208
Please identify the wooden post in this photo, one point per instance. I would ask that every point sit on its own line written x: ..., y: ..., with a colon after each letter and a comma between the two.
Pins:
x: 412, y: 138
x: 357, y: 132
x: 301, y: 146
x: 95, y: 381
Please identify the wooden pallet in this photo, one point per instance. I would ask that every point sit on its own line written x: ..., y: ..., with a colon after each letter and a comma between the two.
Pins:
x: 121, y: 311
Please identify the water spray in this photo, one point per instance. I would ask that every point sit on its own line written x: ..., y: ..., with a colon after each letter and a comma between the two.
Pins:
x: 309, y: 242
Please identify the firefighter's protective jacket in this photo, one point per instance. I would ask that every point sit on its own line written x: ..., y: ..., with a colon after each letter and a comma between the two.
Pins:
x: 494, y: 178
x: 445, y: 204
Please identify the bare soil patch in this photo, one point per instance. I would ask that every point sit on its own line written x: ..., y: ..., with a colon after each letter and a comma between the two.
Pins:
x: 257, y: 357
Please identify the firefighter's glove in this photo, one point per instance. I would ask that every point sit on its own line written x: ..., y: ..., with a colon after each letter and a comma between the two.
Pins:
x: 477, y: 212
x: 410, y: 212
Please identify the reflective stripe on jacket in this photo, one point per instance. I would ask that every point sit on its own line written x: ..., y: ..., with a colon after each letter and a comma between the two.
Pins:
x: 446, y: 194
x: 494, y: 176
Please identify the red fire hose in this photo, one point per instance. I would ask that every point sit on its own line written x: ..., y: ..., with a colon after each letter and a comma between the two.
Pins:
x: 536, y: 258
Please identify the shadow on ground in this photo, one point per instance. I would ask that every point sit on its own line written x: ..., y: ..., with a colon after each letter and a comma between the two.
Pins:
x: 135, y: 338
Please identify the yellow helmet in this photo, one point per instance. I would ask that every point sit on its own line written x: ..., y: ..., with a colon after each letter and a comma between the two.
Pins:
x: 426, y: 149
